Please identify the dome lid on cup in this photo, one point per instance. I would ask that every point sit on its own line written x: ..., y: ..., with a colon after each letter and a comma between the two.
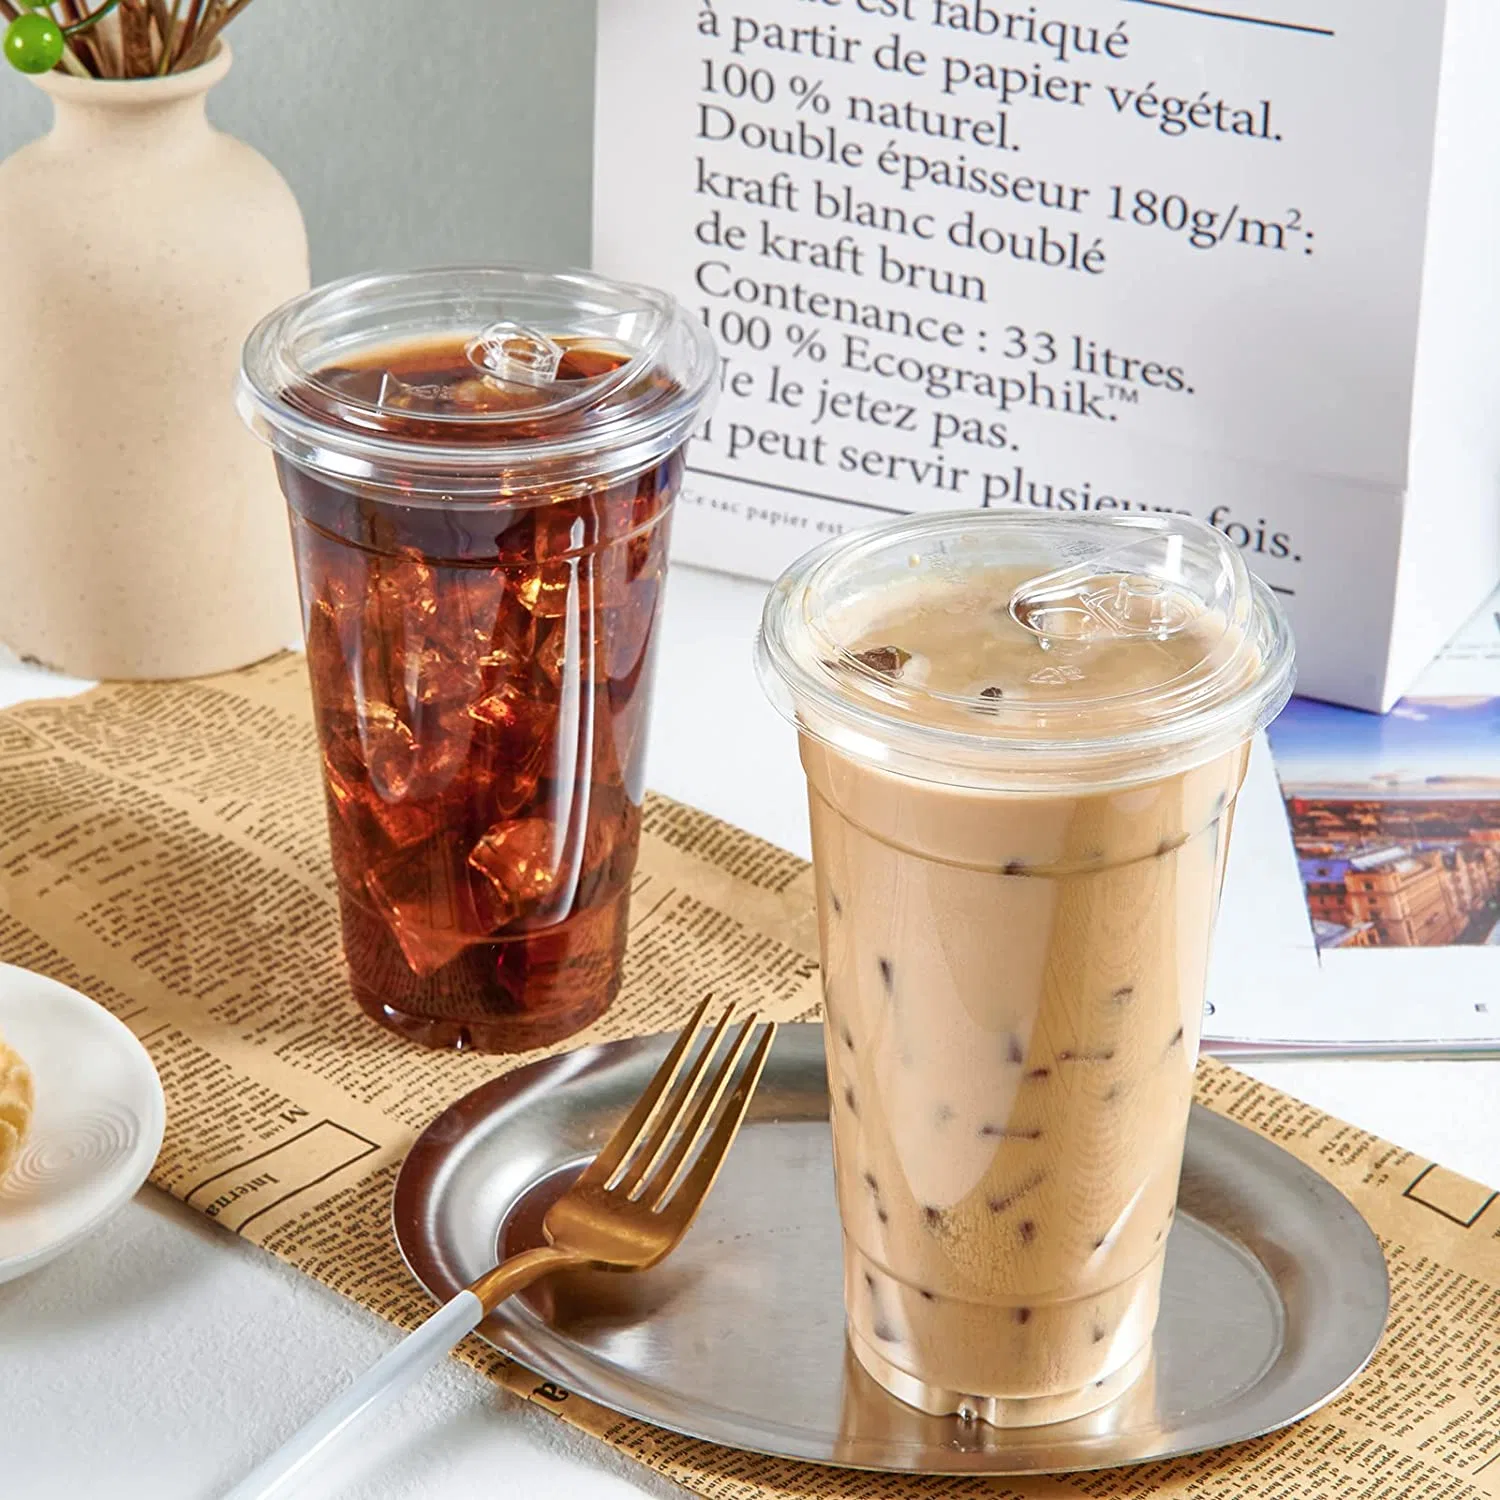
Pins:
x: 476, y: 381
x: 1001, y: 649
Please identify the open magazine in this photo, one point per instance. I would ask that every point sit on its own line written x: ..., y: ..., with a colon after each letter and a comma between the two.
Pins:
x: 1361, y: 908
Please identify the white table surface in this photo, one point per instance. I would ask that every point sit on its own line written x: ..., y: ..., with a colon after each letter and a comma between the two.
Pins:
x: 164, y: 1355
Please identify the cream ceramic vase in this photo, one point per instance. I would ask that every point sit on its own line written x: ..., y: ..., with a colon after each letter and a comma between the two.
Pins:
x: 142, y: 532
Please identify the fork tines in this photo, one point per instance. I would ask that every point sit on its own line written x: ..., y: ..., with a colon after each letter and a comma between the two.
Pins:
x: 652, y: 1148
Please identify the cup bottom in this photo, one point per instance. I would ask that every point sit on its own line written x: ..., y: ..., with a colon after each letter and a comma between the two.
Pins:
x: 517, y: 1033
x: 501, y: 994
x: 998, y: 1411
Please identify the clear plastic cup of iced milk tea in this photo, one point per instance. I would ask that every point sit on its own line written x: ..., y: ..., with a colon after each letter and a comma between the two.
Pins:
x: 1023, y: 739
x: 480, y: 466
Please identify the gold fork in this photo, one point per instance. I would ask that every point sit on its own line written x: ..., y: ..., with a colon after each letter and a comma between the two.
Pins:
x: 628, y: 1209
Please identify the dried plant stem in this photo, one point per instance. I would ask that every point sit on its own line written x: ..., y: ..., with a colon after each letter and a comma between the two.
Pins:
x: 135, y: 38
x: 80, y: 50
x: 169, y: 37
x: 161, y: 20
x: 86, y: 48
x: 103, y: 39
x: 210, y: 20
x: 218, y: 15
x: 188, y: 30
x: 94, y: 17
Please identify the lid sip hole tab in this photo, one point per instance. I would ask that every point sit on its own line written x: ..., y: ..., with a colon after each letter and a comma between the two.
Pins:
x: 1112, y: 605
x: 1137, y: 591
x: 512, y: 353
x: 526, y: 382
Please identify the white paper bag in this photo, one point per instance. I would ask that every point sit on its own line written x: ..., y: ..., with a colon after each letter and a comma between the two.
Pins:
x: 1235, y: 259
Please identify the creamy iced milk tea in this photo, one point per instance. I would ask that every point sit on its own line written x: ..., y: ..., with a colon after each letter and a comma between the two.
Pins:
x: 1023, y: 739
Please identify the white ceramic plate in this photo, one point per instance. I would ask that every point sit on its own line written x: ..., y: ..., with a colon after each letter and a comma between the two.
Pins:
x: 97, y: 1127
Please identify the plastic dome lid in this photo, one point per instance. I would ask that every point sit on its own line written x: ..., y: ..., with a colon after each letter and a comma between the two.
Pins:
x: 556, y: 380
x: 1099, y: 650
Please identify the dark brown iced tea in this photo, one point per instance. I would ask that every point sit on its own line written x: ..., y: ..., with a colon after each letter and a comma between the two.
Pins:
x: 481, y: 679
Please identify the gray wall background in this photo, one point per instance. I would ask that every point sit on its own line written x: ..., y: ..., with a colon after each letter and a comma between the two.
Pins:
x: 412, y: 131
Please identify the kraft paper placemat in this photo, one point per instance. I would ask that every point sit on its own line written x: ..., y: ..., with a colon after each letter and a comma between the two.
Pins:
x: 163, y: 849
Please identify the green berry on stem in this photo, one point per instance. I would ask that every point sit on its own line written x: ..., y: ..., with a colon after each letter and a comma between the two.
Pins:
x: 34, y: 43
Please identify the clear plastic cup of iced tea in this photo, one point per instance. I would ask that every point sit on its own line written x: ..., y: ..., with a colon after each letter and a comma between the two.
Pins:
x: 480, y: 467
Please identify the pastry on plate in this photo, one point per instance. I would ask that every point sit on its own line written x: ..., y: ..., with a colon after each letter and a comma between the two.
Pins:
x: 15, y: 1105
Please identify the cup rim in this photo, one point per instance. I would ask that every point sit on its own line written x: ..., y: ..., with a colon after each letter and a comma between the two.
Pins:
x: 617, y: 445
x: 1151, y: 751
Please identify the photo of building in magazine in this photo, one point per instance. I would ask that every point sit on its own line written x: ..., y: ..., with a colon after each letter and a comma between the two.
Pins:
x: 1361, y: 910
x: 1395, y: 820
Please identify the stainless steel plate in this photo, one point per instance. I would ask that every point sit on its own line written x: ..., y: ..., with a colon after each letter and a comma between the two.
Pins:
x: 1275, y: 1293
